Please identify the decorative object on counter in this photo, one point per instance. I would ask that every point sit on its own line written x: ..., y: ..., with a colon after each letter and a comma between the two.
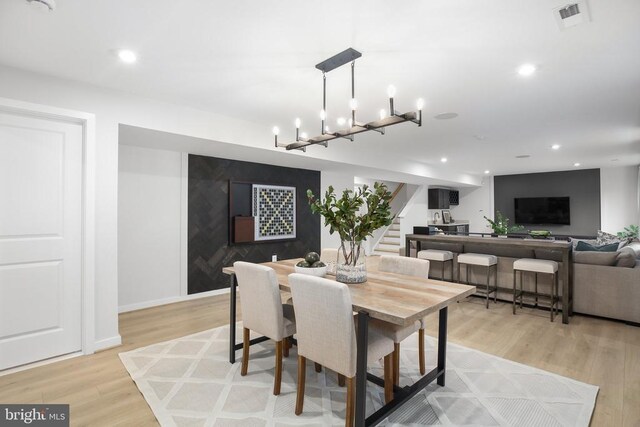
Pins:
x: 630, y: 233
x: 539, y: 234
x: 354, y: 216
x: 387, y: 118
x: 446, y: 217
x: 312, y: 265
x: 500, y: 225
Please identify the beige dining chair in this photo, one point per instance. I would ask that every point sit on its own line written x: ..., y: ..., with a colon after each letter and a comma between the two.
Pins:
x: 408, y: 267
x: 264, y: 313
x: 326, y: 334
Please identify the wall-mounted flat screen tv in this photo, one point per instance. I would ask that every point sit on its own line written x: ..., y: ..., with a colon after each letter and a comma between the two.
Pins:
x: 542, y: 210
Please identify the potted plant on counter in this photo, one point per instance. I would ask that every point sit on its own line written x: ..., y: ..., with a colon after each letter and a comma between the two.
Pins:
x: 500, y: 225
x: 354, y: 216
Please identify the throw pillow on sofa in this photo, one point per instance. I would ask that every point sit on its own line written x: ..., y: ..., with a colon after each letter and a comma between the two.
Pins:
x: 584, y: 246
x: 575, y: 242
x: 626, y: 258
x: 608, y: 238
x: 635, y: 246
x: 595, y: 258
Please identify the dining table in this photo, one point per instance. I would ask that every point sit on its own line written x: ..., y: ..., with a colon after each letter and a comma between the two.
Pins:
x: 395, y: 298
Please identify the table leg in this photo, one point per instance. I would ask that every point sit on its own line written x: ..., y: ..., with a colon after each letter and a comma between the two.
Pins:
x: 407, y: 247
x: 361, y: 368
x: 232, y: 318
x: 565, y: 286
x: 442, y: 344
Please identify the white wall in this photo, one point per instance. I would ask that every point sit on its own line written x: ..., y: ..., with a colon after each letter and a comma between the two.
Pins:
x: 150, y: 201
x: 415, y: 213
x: 619, y: 198
x: 475, y: 203
x: 340, y: 182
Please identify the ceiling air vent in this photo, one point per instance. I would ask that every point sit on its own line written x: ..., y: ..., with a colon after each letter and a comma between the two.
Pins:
x: 569, y: 11
x: 571, y: 15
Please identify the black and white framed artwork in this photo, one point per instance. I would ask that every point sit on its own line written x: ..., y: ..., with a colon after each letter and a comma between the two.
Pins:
x: 274, y: 210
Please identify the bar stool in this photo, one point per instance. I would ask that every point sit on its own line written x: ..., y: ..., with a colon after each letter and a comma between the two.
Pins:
x: 482, y: 260
x: 440, y: 256
x: 537, y: 266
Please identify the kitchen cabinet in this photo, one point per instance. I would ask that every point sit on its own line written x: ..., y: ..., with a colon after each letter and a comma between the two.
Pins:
x: 438, y: 198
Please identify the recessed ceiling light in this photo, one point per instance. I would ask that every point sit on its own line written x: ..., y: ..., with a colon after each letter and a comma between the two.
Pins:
x: 443, y: 160
x: 614, y: 160
x: 526, y: 70
x: 555, y: 147
x: 523, y: 156
x: 487, y: 172
x: 127, y: 56
x: 446, y: 116
x: 576, y: 164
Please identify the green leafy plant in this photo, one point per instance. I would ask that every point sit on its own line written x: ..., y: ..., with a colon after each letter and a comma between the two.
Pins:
x: 631, y: 232
x: 500, y: 225
x: 355, y: 215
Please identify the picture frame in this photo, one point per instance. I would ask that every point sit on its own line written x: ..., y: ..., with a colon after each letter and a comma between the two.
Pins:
x: 274, y: 210
x: 446, y: 216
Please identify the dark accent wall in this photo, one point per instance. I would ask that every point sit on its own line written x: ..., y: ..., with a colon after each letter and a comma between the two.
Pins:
x: 581, y: 186
x: 209, y: 248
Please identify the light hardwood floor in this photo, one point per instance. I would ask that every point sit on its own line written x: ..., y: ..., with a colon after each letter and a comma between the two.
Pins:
x: 595, y: 351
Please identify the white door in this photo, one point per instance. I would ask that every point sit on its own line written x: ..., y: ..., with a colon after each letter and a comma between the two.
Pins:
x: 40, y: 239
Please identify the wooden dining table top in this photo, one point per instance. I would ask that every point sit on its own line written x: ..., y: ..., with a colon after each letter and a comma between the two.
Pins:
x: 393, y: 298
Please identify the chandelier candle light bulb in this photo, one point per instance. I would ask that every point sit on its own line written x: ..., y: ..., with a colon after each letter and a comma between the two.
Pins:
x: 383, y: 114
x: 391, y: 91
x: 276, y: 131
x: 298, y: 122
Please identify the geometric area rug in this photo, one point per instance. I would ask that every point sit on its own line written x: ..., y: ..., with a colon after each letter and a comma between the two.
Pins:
x: 190, y: 382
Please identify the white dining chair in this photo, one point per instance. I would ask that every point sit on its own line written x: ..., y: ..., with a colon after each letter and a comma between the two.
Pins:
x: 264, y: 313
x: 326, y: 334
x: 408, y: 267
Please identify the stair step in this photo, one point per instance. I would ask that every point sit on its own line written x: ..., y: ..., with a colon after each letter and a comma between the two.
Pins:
x: 395, y: 227
x: 392, y: 233
x: 387, y: 250
x: 387, y: 247
x: 396, y: 221
x: 390, y: 240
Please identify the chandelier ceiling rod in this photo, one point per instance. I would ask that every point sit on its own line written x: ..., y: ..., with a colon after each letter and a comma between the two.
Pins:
x: 342, y: 58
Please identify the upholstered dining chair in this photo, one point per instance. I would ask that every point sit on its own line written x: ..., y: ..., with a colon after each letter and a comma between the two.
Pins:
x: 326, y: 334
x: 264, y: 313
x: 410, y: 267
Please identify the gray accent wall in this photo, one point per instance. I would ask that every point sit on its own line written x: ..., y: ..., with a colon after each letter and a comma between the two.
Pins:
x: 581, y: 186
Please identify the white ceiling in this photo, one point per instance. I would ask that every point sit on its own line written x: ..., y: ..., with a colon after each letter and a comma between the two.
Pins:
x: 255, y: 60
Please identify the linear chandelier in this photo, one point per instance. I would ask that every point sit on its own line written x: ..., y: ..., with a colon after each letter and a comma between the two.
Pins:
x: 386, y: 119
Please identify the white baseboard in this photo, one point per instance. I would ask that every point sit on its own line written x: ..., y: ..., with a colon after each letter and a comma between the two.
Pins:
x: 108, y: 343
x: 169, y: 300
x: 40, y: 363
